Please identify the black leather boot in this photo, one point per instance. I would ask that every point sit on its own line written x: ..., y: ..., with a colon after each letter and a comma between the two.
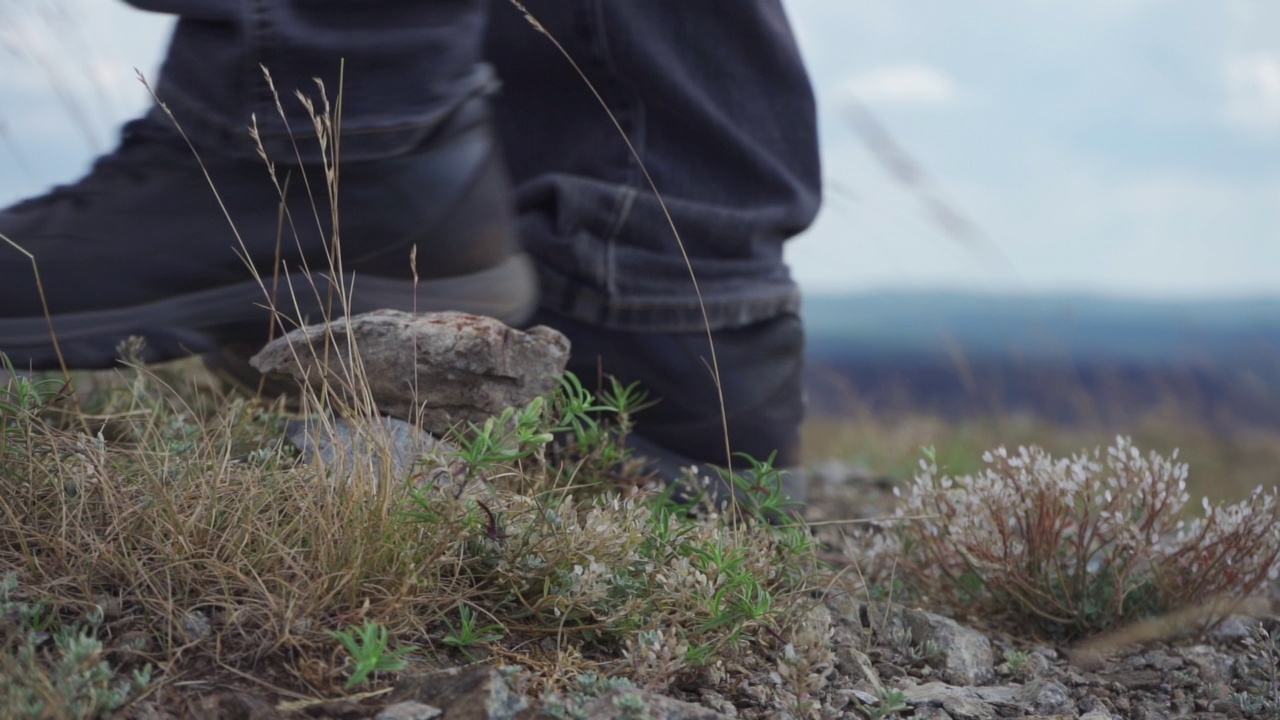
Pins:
x: 142, y: 246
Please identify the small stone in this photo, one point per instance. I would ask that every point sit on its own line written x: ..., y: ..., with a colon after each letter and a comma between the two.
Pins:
x: 112, y: 608
x: 1131, y: 680
x: 1045, y: 697
x: 864, y: 697
x: 628, y: 703
x: 1214, y: 667
x: 337, y: 710
x: 966, y: 654
x: 1234, y: 629
x: 1150, y: 710
x: 194, y: 626
x: 474, y: 691
x: 409, y: 710
x: 1092, y: 704
x: 1224, y: 705
x: 134, y: 643
x: 1156, y: 660
x: 237, y: 706
x: 961, y: 703
x: 888, y: 671
x: 931, y: 713
x: 378, y: 445
x: 1045, y: 652
x: 855, y: 665
x: 1036, y: 665
x: 145, y: 710
x: 718, y: 702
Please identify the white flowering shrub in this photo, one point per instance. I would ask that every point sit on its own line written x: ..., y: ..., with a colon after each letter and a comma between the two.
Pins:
x: 1074, y: 545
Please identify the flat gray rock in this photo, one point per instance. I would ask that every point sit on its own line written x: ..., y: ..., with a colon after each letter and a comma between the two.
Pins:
x: 433, y: 369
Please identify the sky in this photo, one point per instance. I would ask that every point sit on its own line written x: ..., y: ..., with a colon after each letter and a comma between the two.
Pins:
x: 1117, y: 147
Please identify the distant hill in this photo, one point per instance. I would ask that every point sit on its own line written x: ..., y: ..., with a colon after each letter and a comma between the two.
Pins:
x: 1068, y: 358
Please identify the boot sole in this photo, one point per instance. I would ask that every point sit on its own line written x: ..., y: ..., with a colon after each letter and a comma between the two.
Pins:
x: 204, y: 321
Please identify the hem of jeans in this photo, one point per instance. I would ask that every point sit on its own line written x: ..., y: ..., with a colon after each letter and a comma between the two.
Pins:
x: 357, y: 144
x: 666, y: 313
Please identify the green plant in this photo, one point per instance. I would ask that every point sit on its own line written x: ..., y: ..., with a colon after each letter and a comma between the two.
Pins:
x: 632, y: 707
x: 759, y: 488
x: 52, y: 671
x: 367, y: 647
x: 572, y: 703
x: 1260, y: 673
x: 22, y: 399
x: 469, y: 632
x: 889, y: 702
x: 1017, y: 660
x: 1074, y: 546
x: 903, y: 640
x: 514, y: 434
x: 806, y: 664
x: 592, y: 427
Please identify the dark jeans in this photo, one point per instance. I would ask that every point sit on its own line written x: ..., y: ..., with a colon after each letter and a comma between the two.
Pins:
x: 712, y: 94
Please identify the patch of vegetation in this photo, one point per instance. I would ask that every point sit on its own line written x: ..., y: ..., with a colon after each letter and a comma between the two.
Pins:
x: 470, y: 632
x: 889, y: 702
x: 571, y: 704
x: 1078, y: 545
x: 532, y: 541
x: 1260, y: 674
x: 49, y: 669
x: 367, y: 647
x: 1017, y: 660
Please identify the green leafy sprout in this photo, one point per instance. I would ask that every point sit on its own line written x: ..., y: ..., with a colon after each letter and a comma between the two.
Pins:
x: 367, y: 647
x: 469, y: 632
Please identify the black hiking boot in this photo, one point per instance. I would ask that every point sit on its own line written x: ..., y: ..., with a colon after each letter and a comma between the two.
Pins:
x: 142, y: 246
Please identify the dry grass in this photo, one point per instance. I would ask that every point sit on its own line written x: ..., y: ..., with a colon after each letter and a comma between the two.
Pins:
x: 195, y: 528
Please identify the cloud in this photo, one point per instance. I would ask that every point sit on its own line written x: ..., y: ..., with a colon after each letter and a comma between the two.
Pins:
x: 908, y: 84
x: 1252, y: 84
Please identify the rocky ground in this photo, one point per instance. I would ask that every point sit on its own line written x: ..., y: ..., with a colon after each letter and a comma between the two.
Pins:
x: 871, y: 658
x: 885, y: 661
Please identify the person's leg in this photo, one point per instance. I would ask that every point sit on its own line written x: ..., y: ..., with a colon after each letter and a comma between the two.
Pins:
x: 716, y: 101
x: 404, y: 64
x: 140, y: 246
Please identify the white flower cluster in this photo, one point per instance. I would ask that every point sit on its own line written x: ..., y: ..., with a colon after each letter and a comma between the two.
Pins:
x: 1062, y: 536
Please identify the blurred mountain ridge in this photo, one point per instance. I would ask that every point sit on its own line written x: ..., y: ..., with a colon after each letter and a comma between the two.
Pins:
x: 1067, y: 358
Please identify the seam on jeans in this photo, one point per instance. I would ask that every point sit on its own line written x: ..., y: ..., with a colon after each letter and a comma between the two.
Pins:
x: 627, y: 200
x: 257, y: 29
x: 631, y: 118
